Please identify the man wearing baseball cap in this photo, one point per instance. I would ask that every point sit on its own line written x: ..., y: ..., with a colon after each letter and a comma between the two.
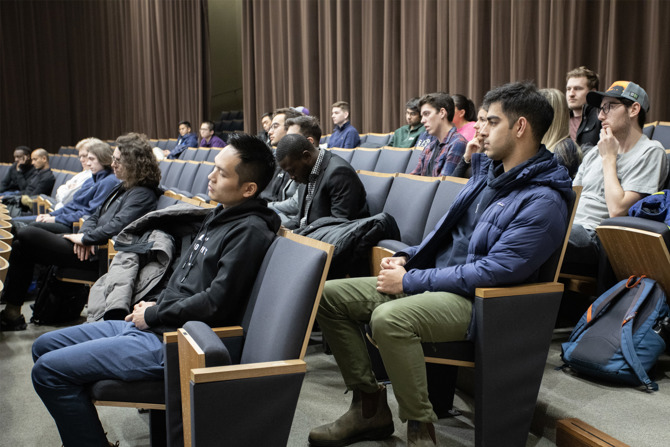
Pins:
x: 625, y: 167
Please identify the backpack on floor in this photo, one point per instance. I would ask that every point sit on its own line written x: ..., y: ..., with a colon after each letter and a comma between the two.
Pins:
x: 618, y: 337
x: 58, y: 301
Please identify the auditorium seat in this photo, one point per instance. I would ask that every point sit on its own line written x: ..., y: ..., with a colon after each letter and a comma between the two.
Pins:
x: 202, y: 154
x: 189, y: 154
x: 445, y: 195
x: 413, y: 160
x: 392, y: 160
x: 172, y: 177
x: 662, y: 133
x: 377, y: 187
x: 648, y: 129
x: 346, y: 154
x: 364, y: 159
x: 376, y: 140
x: 213, y: 152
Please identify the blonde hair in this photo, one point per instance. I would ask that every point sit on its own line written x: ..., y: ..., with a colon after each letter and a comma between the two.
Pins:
x: 560, y: 126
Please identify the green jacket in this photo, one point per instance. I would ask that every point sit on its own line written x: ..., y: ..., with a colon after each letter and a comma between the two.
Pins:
x: 403, y: 137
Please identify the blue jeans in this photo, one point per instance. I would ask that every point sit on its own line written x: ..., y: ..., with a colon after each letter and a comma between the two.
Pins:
x: 67, y: 360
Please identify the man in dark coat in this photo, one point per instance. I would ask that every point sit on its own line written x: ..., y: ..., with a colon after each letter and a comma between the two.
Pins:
x: 333, y: 187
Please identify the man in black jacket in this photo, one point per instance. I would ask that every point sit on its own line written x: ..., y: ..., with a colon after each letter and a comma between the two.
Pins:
x: 211, y: 283
x: 333, y: 187
x: 18, y: 175
x: 42, y: 181
x: 584, y: 122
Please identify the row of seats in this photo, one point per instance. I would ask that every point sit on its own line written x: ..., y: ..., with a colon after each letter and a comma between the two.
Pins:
x: 65, y: 162
x: 228, y: 125
x: 416, y: 203
x: 373, y: 140
x: 384, y: 160
x: 186, y: 178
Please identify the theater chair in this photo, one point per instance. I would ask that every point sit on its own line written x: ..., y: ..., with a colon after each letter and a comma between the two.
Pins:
x: 637, y: 246
x: 228, y: 405
x: 513, y: 330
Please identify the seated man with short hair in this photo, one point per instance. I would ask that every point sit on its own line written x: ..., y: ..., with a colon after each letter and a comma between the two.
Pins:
x: 333, y: 187
x: 344, y: 134
x: 208, y: 137
x: 407, y: 135
x: 444, y: 152
x: 506, y: 222
x: 621, y: 169
x: 186, y: 139
x: 211, y: 283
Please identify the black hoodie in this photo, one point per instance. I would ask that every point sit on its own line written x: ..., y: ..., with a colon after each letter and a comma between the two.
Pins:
x: 213, y: 279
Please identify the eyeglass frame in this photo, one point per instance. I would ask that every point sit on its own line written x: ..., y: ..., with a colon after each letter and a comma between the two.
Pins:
x: 608, y: 107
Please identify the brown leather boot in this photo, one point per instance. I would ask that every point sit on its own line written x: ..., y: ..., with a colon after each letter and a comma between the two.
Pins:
x: 420, y: 434
x: 368, y: 418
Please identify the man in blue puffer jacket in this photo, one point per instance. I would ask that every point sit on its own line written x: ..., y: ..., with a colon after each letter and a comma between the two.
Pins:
x: 508, y: 220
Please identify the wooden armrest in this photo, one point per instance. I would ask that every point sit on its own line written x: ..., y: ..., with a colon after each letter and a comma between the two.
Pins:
x: 526, y: 289
x: 170, y: 337
x: 246, y: 371
x: 378, y: 253
x: 229, y: 331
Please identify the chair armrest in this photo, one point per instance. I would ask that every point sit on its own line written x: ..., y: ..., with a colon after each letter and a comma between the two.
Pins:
x: 376, y: 256
x: 526, y: 289
x: 247, y: 371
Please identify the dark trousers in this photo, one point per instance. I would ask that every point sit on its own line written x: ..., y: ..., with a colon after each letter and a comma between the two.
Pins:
x: 33, y: 246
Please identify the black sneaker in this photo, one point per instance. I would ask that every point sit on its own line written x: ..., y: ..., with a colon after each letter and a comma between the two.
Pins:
x: 18, y: 324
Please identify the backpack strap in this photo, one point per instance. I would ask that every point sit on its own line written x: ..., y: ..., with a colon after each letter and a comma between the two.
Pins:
x: 627, y: 347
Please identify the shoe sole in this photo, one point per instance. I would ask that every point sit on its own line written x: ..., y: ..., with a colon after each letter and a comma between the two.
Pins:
x: 372, y: 435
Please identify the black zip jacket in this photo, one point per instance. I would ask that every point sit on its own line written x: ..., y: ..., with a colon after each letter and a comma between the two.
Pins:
x: 214, y: 277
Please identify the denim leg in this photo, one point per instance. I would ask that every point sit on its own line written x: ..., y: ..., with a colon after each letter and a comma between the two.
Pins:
x: 68, y: 359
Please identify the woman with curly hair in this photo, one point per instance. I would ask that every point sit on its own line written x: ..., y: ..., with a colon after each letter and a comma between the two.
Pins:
x: 137, y: 194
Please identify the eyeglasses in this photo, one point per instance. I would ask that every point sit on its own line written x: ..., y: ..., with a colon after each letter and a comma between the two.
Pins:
x: 607, y: 107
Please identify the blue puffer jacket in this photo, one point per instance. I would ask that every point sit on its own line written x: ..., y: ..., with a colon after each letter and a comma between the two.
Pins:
x: 521, y: 228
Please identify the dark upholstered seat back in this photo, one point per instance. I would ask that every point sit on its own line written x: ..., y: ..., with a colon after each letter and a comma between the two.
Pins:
x: 375, y: 140
x: 282, y: 301
x: 444, y: 196
x: 409, y: 202
x: 346, y: 154
x: 172, y: 177
x: 200, y: 180
x: 392, y: 160
x: 364, y: 159
x: 413, y: 160
x: 376, y: 190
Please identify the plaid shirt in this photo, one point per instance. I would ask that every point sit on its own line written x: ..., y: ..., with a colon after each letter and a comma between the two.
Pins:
x: 313, y: 177
x: 450, y: 152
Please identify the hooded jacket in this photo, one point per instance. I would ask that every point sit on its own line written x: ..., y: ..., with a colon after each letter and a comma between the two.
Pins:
x: 213, y: 279
x: 520, y: 229
x: 88, y: 198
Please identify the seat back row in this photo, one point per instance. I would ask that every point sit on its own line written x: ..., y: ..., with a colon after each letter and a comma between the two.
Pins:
x: 416, y: 203
x: 386, y: 159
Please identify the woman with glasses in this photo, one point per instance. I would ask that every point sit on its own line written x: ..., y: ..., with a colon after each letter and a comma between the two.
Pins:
x: 135, y: 166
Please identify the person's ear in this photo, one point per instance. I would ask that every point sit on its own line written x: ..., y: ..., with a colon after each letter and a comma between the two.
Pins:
x: 634, y: 110
x: 249, y: 189
x: 522, y: 126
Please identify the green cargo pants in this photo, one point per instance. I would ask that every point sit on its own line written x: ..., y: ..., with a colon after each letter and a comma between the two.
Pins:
x: 399, y: 324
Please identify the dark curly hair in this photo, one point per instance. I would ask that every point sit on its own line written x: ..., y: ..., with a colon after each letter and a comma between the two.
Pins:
x: 138, y: 161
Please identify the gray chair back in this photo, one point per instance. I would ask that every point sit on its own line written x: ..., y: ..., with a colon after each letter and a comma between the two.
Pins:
x: 444, y: 197
x: 282, y: 301
x: 413, y: 160
x: 364, y: 159
x: 392, y: 160
x: 376, y: 190
x: 409, y: 202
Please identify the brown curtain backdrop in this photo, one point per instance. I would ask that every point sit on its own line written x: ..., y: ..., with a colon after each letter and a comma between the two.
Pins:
x: 74, y: 69
x: 376, y: 54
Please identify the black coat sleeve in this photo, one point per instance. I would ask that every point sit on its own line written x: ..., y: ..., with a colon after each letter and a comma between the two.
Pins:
x: 41, y: 183
x: 134, y: 203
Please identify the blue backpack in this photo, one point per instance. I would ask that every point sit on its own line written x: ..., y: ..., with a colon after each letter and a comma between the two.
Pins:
x: 617, y: 338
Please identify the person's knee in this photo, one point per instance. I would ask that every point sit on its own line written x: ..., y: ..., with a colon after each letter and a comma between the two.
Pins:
x: 41, y: 346
x: 385, y: 323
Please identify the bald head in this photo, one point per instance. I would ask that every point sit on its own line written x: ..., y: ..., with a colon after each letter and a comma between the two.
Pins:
x: 40, y: 158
